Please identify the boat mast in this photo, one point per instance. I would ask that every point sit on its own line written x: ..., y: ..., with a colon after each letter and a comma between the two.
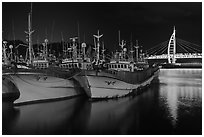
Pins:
x: 83, y: 46
x: 79, y: 39
x: 74, y: 48
x: 63, y: 48
x: 103, y: 51
x: 131, y: 49
x: 121, y: 45
x: 38, y: 48
x: 136, y: 47
x: 98, y: 36
x: 11, y: 52
x: 4, y: 52
x: 119, y: 37
x: 29, y: 32
x: 122, y: 48
x: 45, y: 49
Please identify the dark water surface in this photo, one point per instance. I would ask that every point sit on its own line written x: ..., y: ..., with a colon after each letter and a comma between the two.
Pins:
x: 171, y: 105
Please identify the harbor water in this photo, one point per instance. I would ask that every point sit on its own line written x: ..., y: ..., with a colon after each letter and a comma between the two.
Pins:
x: 171, y: 105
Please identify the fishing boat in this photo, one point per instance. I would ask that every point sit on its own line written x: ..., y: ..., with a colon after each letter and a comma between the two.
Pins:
x: 75, y: 56
x: 117, y: 78
x: 38, y: 81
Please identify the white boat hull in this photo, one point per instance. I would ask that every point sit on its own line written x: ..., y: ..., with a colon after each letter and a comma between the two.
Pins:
x: 97, y: 86
x: 9, y: 90
x: 38, y: 87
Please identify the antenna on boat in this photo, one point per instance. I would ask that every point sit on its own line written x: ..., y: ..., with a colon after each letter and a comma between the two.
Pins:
x: 131, y: 48
x: 94, y: 44
x: 78, y: 33
x: 38, y: 45
x: 13, y: 32
x: 14, y: 39
x: 103, y: 51
x: 119, y: 37
x: 131, y: 40
x: 83, y: 46
x: 46, y: 49
x: 74, y: 47
x: 63, y: 48
x: 136, y: 53
x: 29, y: 32
x: 98, y: 36
x: 53, y: 26
x: 51, y: 36
x: 4, y: 52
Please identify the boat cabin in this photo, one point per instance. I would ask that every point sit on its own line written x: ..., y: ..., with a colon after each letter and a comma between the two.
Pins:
x: 78, y: 63
x: 41, y: 64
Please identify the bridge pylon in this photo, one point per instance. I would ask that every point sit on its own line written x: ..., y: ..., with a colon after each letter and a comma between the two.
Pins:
x: 172, y: 48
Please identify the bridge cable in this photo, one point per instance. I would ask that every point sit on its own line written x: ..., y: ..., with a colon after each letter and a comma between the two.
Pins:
x: 182, y: 47
x: 157, y: 45
x: 161, y: 50
x: 164, y: 47
x: 190, y: 47
x: 164, y: 50
x: 156, y: 50
x: 188, y: 44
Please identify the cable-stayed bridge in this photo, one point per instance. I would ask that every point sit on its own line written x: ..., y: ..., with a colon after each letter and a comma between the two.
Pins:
x: 174, y: 49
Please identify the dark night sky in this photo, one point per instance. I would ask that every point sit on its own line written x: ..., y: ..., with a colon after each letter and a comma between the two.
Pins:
x: 150, y: 23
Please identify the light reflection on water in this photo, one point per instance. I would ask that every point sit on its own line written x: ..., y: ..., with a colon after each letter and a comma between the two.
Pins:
x: 182, y: 88
x: 171, y: 105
